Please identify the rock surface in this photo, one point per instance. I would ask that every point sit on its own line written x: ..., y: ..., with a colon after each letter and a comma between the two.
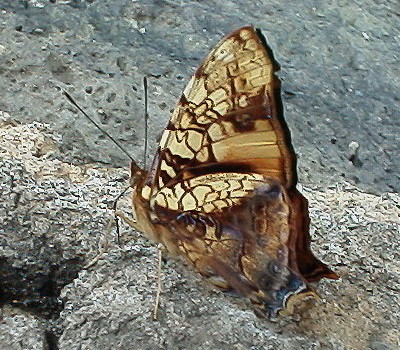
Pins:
x: 58, y: 181
x: 59, y: 258
x: 340, y: 75
x: 21, y: 331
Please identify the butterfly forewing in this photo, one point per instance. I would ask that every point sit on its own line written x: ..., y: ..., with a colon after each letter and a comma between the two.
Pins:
x: 228, y: 117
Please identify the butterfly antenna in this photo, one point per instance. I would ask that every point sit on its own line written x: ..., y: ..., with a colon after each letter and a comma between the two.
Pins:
x: 146, y: 121
x: 70, y: 99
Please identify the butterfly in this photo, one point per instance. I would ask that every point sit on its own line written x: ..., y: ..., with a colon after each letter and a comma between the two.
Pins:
x: 221, y: 191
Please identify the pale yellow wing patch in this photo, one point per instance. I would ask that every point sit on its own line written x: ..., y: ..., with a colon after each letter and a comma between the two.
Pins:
x: 207, y: 193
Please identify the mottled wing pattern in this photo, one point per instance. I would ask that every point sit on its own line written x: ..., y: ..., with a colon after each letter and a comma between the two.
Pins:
x: 221, y: 191
x: 228, y: 118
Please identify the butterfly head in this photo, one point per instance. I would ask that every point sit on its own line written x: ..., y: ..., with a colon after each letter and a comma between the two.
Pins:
x: 137, y: 175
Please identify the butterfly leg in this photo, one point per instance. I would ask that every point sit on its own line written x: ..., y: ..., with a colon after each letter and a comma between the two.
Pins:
x: 133, y: 224
x: 103, y: 244
x: 122, y: 216
x: 104, y: 241
x: 159, y: 285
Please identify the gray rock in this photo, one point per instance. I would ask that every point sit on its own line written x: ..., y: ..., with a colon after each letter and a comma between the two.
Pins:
x: 56, y: 224
x: 339, y: 73
x: 20, y: 331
